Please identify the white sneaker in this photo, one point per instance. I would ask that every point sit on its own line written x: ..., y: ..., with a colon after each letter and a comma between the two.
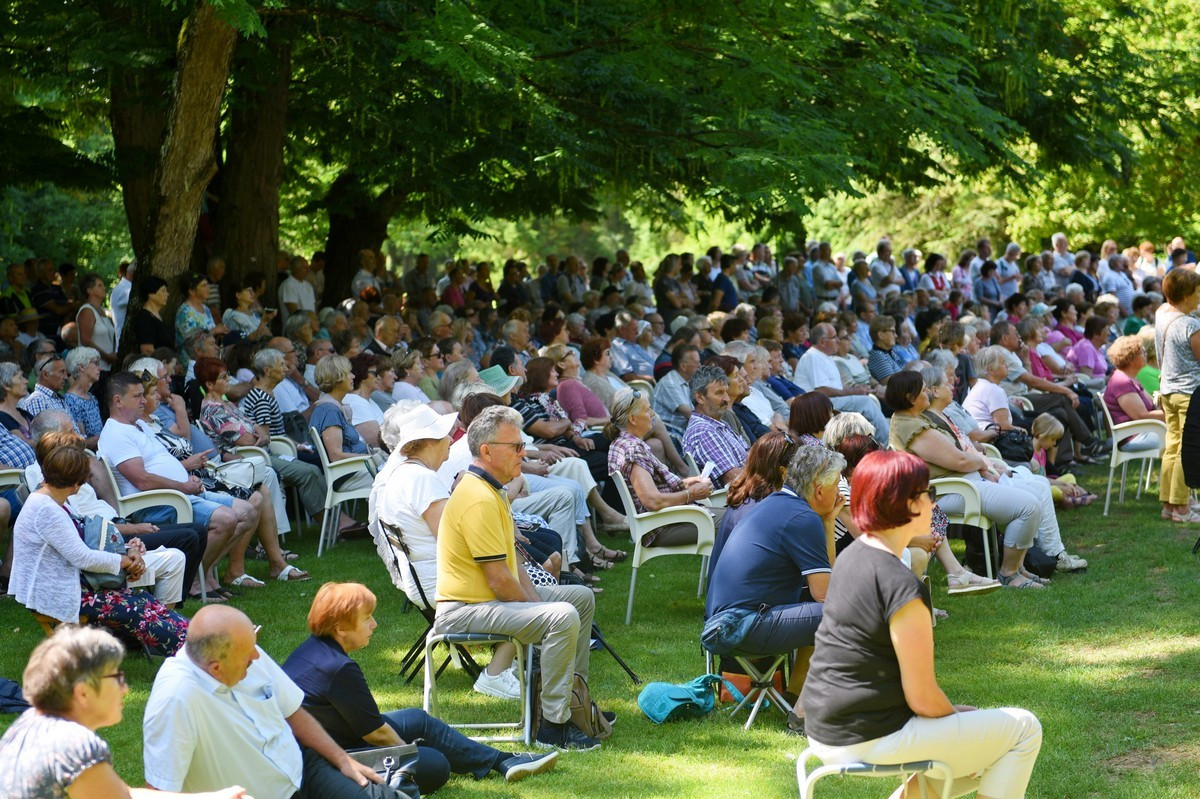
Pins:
x: 1070, y: 563
x: 502, y: 686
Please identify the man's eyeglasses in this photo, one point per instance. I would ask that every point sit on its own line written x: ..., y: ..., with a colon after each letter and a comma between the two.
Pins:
x: 119, y: 676
x: 517, y: 446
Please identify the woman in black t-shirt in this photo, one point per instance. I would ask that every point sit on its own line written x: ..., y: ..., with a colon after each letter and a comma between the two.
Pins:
x: 872, y: 695
x: 150, y: 330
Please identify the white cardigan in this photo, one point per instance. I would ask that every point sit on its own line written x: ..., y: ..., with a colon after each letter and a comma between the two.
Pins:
x: 48, y: 555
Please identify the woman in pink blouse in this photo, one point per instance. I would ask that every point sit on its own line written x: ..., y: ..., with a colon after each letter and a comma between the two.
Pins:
x: 582, y: 404
x: 1124, y: 396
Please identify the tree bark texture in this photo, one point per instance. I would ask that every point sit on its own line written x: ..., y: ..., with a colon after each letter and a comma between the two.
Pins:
x: 137, y: 113
x: 358, y: 220
x: 247, y: 206
x: 187, y: 160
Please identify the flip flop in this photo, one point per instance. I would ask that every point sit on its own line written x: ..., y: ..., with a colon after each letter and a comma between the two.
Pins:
x: 290, y: 574
x: 246, y: 581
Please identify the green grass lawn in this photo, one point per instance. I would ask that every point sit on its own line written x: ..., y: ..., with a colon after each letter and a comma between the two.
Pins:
x: 1107, y: 660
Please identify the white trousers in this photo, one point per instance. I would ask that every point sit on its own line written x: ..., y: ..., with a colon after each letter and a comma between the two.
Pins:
x: 868, y: 406
x: 989, y: 751
x: 164, y: 569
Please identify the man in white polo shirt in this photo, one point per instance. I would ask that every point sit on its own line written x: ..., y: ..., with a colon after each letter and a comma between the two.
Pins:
x: 817, y: 371
x: 222, y: 711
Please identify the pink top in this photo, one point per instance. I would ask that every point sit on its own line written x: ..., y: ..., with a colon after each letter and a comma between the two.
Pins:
x: 1118, y: 386
x: 1087, y: 359
x: 579, y: 401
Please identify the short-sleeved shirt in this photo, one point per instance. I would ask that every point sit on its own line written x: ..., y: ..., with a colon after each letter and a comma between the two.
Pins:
x: 1012, y: 384
x: 816, y: 370
x: 329, y: 414
x: 477, y: 527
x: 1087, y: 359
x: 1180, y: 371
x: 630, y: 358
x: 627, y: 451
x: 769, y: 555
x: 905, y: 428
x: 201, y: 735
x: 149, y: 329
x: 707, y: 439
x: 411, y: 488
x: 299, y: 293
x: 362, y: 409
x: 670, y: 393
x: 729, y: 295
x: 335, y: 691
x: 1118, y: 386
x: 853, y: 693
x: 42, y: 399
x: 261, y: 408
x: 85, y: 411
x: 884, y: 363
x: 14, y: 452
x: 120, y: 442
x: 41, y: 755
x: 984, y: 399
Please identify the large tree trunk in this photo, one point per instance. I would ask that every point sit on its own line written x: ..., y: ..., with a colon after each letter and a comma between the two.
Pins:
x: 358, y: 220
x: 187, y: 161
x: 247, y: 208
x: 138, y: 115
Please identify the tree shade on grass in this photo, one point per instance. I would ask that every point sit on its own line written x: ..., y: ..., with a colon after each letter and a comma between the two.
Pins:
x: 1106, y: 660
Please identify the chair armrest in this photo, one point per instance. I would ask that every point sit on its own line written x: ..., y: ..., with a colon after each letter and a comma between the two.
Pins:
x: 681, y: 514
x: 12, y: 478
x: 716, y: 499
x: 352, y: 465
x: 254, y: 452
x: 282, y: 445
x: 1133, y: 428
x: 157, y: 498
x: 992, y: 452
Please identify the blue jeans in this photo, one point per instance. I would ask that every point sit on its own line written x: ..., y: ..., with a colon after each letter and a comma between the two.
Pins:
x: 783, y: 628
x: 203, y: 508
x: 442, y: 749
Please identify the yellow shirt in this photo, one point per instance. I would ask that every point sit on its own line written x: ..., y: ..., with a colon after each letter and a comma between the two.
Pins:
x: 477, y: 527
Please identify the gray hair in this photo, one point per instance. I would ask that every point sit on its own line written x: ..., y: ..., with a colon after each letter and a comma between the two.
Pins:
x: 1073, y: 288
x: 702, y: 261
x: 70, y: 656
x: 79, y: 358
x: 943, y: 359
x: 988, y: 357
x: 622, y: 318
x: 510, y: 327
x: 147, y: 364
x: 705, y: 376
x: 844, y: 425
x: 265, y: 360
x: 390, y: 431
x: 296, y: 321
x: 330, y: 371
x: 191, y: 342
x: 483, y: 427
x: 1057, y: 237
x: 624, y: 403
x: 934, y: 376
x: 812, y: 467
x: 464, y: 390
x: 741, y: 350
x: 1012, y: 247
x: 8, y: 372
x: 50, y: 421
x: 452, y: 376
x: 209, y: 647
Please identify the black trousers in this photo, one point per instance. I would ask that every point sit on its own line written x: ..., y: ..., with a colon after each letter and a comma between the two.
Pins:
x: 1075, y: 429
x: 190, y: 539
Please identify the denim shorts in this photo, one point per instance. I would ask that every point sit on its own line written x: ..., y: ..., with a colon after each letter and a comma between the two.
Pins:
x: 203, y: 507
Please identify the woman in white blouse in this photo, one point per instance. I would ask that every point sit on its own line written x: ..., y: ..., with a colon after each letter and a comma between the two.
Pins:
x: 365, y: 414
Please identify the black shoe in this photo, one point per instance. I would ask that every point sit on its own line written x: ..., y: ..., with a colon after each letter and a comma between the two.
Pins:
x: 795, y: 724
x: 565, y: 737
x: 520, y: 766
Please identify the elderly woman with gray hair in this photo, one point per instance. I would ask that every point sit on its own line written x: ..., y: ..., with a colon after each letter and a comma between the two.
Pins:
x: 14, y: 385
x: 76, y: 686
x: 653, y: 485
x: 83, y: 369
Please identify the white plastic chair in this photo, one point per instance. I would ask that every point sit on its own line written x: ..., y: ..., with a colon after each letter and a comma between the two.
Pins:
x: 334, y: 498
x: 280, y: 446
x: 717, y: 498
x: 807, y: 782
x: 129, y: 504
x: 1118, y: 457
x: 972, y: 513
x: 642, y: 523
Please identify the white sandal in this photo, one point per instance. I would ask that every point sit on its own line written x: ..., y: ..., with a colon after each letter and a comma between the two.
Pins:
x: 246, y: 581
x: 285, y: 575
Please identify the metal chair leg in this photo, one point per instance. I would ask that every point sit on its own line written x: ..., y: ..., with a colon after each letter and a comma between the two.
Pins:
x: 1108, y: 494
x: 629, y: 605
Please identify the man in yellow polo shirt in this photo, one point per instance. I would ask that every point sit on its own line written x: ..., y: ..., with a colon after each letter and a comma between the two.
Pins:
x: 483, y: 588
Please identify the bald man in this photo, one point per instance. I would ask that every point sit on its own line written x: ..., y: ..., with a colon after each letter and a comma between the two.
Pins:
x: 222, y: 711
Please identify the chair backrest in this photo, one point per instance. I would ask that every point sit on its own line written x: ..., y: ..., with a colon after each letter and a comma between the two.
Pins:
x: 691, y: 462
x: 112, y: 478
x: 395, y: 539
x: 623, y: 489
x: 319, y: 446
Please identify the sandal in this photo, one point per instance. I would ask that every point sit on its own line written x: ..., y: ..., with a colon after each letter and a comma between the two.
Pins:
x: 610, y: 555
x: 246, y: 581
x: 1030, y: 575
x: 1188, y: 517
x: 595, y: 563
x: 1017, y: 580
x: 290, y: 574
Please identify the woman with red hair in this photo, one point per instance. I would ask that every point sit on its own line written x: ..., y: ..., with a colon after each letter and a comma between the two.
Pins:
x: 342, y: 620
x: 872, y: 695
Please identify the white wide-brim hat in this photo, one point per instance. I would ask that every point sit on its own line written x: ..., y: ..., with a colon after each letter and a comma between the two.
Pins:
x: 422, y: 423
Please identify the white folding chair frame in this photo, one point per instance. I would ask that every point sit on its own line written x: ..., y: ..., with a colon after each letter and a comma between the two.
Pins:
x: 334, y: 471
x: 1118, y: 457
x: 972, y: 513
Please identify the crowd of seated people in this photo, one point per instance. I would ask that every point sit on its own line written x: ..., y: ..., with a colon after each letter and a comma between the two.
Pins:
x: 776, y: 379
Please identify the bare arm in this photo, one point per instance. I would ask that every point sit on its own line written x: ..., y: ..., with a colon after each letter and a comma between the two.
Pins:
x: 912, y: 638
x: 310, y: 733
x: 384, y: 736
x: 1132, y: 404
x: 502, y: 584
x: 653, y: 499
x: 102, y: 782
x: 1003, y: 417
x: 433, y: 515
x: 134, y: 470
x: 549, y: 428
x: 935, y: 449
x: 331, y: 437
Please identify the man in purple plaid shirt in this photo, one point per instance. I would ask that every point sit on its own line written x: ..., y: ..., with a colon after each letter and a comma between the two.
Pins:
x: 707, y: 438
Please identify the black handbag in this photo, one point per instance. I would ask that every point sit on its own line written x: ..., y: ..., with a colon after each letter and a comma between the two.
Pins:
x: 295, y: 427
x: 1015, y: 445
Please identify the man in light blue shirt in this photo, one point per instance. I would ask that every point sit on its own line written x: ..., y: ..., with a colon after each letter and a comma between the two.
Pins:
x: 630, y: 360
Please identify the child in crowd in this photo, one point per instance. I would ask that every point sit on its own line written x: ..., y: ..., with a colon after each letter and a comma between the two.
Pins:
x: 1047, y: 431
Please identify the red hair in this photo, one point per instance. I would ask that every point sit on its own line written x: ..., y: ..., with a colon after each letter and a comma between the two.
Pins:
x: 338, y: 605
x: 207, y: 370
x: 883, y: 485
